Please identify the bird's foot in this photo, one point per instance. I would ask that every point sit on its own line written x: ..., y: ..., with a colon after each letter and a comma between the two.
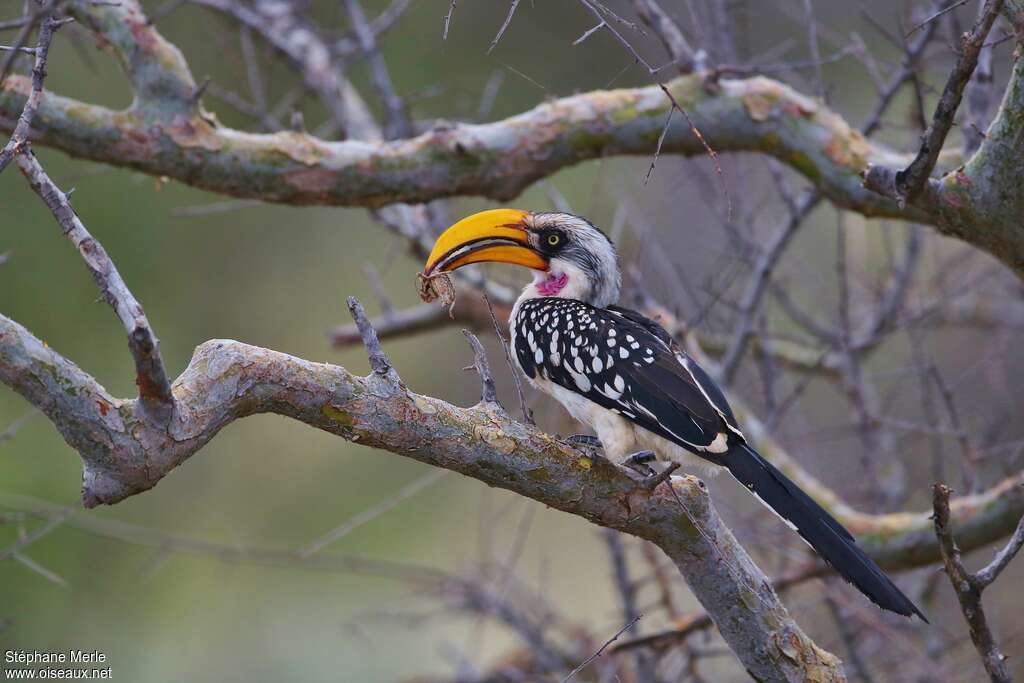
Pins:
x: 585, y: 440
x: 640, y: 463
x: 652, y: 482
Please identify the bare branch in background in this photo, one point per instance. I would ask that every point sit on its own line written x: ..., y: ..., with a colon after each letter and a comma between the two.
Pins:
x: 910, y: 180
x: 968, y: 589
x: 585, y: 663
x: 505, y: 347
x: 504, y: 25
x: 150, y: 376
x: 370, y: 514
x: 971, y: 205
x: 756, y: 287
x: 398, y: 123
x: 19, y: 137
x: 669, y: 34
x: 448, y: 19
x: 935, y: 15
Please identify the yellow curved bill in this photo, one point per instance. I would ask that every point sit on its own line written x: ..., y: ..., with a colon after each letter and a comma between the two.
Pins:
x: 496, y: 235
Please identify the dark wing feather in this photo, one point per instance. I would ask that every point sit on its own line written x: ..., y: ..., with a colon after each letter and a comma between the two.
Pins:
x: 664, y: 391
x: 695, y: 373
x: 643, y: 321
x: 657, y: 392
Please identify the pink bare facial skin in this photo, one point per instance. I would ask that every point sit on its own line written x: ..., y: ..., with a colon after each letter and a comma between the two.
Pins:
x: 553, y: 284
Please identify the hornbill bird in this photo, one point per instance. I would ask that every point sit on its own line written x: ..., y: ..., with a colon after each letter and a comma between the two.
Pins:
x: 622, y: 374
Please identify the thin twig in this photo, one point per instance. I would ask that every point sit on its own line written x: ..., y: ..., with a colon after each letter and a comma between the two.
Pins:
x: 489, y: 394
x: 979, y: 97
x: 398, y: 124
x: 908, y: 69
x: 448, y: 19
x: 934, y: 16
x: 378, y: 359
x: 28, y: 112
x: 669, y: 33
x: 372, y: 513
x: 968, y: 590
x: 985, y: 576
x: 969, y: 454
x: 653, y: 72
x: 756, y: 287
x: 13, y: 428
x: 504, y: 25
x: 527, y: 413
x: 150, y: 374
x: 22, y: 50
x: 627, y: 595
x: 601, y: 649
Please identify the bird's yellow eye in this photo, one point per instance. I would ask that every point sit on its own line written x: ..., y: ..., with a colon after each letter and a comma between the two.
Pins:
x: 554, y: 239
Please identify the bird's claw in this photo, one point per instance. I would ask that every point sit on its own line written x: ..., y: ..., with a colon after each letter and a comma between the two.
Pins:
x: 640, y: 463
x: 652, y: 482
x: 585, y: 443
x: 585, y: 440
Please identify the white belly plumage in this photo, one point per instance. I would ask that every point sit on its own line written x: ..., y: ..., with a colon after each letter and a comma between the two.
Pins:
x: 620, y: 437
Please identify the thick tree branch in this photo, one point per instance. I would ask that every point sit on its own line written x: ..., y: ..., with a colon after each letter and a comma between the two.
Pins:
x: 124, y: 454
x: 902, y: 540
x: 227, y: 380
x: 497, y: 160
x: 165, y: 133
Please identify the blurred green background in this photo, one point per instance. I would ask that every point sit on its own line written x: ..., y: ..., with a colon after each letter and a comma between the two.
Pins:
x: 277, y: 277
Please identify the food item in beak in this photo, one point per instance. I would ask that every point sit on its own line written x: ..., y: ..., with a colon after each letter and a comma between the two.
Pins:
x: 436, y: 286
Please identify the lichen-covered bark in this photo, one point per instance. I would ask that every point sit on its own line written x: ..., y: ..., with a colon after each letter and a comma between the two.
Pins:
x: 124, y: 454
x: 981, y: 202
x: 496, y: 160
x: 166, y: 133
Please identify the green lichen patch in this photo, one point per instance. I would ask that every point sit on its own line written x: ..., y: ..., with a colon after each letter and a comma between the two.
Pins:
x: 336, y: 414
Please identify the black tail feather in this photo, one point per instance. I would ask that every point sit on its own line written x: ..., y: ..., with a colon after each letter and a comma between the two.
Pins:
x: 827, y: 536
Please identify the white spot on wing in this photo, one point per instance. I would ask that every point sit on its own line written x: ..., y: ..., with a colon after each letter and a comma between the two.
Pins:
x: 582, y: 381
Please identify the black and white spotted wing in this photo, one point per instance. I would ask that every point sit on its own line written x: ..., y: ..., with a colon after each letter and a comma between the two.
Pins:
x: 625, y: 362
